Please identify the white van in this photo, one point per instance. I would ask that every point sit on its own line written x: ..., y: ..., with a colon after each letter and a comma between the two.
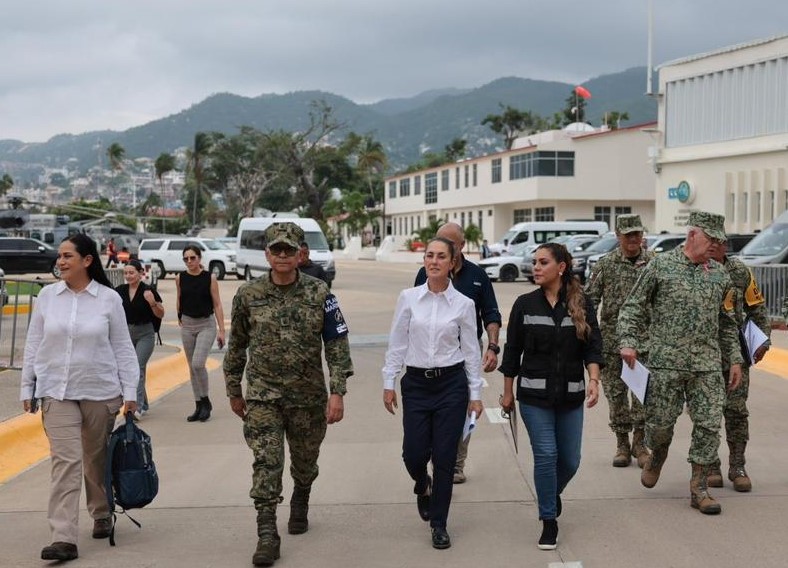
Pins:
x: 250, y: 246
x: 535, y: 233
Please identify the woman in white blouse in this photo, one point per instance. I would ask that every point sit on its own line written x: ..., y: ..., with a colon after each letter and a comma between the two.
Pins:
x: 80, y: 362
x: 434, y: 336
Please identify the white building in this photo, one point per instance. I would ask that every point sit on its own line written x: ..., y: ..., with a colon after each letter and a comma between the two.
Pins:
x: 576, y: 173
x: 723, y: 136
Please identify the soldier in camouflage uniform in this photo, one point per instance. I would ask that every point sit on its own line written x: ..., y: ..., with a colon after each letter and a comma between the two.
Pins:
x: 285, y: 319
x: 747, y: 302
x: 609, y: 284
x: 785, y: 309
x: 688, y: 328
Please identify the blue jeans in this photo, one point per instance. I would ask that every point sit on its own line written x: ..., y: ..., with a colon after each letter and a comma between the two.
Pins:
x: 555, y: 436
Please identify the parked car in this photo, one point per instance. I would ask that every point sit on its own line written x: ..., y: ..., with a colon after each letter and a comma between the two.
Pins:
x: 21, y: 255
x: 503, y: 268
x: 573, y: 243
x: 737, y: 241
x: 602, y: 246
x: 657, y: 243
x: 165, y: 254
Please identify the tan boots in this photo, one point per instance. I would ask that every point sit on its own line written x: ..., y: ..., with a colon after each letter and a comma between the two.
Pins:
x: 653, y: 467
x: 639, y: 450
x: 622, y: 457
x: 700, y: 498
x: 736, y: 472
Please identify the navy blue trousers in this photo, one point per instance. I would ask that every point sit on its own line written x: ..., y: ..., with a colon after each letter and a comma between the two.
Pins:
x: 433, y: 414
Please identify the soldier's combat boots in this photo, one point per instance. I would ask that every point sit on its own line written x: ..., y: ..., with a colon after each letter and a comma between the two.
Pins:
x: 267, y: 551
x: 736, y: 472
x: 653, y: 467
x: 639, y: 450
x: 622, y: 457
x: 299, y: 509
x: 700, y: 498
x: 714, y: 478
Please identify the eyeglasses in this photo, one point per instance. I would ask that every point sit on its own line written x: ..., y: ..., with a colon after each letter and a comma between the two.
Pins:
x: 190, y: 258
x: 277, y: 250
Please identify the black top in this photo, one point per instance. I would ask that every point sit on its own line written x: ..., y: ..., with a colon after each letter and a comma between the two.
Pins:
x: 137, y: 309
x: 472, y: 281
x: 196, y: 300
x: 314, y: 270
x: 543, y: 352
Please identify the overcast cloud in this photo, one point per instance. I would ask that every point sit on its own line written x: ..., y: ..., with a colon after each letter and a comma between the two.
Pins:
x: 78, y: 65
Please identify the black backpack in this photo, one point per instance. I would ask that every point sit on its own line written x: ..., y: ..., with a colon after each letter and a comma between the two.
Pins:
x: 131, y: 480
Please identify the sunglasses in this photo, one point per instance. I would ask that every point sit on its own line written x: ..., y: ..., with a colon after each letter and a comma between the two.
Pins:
x: 277, y: 250
x: 190, y: 258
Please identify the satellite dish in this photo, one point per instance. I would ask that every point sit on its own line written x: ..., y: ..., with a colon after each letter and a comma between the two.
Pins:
x: 579, y: 127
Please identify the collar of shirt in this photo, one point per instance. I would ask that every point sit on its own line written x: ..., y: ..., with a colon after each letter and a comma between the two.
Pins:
x: 449, y: 293
x: 91, y: 288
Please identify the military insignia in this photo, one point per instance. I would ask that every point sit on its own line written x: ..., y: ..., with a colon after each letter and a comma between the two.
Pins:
x: 752, y: 295
x: 334, y: 325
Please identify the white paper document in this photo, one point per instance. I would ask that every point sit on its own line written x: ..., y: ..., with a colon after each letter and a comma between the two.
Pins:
x: 636, y: 379
x: 754, y: 337
x: 470, y: 426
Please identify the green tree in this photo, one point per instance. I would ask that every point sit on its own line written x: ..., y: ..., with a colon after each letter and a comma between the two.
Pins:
x: 164, y: 163
x: 116, y: 153
x: 195, y: 167
x: 6, y: 183
x: 512, y: 123
x: 574, y: 109
x: 613, y: 119
x: 473, y: 235
x: 456, y: 149
x: 372, y: 164
x: 353, y: 212
x: 426, y: 233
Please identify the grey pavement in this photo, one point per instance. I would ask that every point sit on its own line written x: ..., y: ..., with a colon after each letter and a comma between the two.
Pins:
x: 363, y: 511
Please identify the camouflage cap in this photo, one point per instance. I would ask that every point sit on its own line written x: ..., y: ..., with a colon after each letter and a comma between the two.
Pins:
x: 288, y: 233
x: 628, y: 224
x: 711, y: 224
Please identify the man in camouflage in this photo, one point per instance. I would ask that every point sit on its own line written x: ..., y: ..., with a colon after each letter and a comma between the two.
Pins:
x: 611, y: 280
x: 679, y: 300
x: 285, y: 320
x: 747, y: 303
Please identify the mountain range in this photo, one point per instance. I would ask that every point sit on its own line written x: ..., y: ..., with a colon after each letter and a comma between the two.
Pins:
x: 407, y: 127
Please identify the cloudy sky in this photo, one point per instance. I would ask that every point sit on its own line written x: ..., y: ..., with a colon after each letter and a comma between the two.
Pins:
x: 80, y: 65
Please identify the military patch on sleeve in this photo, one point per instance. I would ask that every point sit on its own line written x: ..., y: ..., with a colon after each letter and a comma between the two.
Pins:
x: 752, y: 295
x: 729, y: 303
x: 334, y: 325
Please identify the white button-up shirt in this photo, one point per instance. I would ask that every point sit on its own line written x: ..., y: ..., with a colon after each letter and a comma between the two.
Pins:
x: 434, y: 330
x: 78, y: 346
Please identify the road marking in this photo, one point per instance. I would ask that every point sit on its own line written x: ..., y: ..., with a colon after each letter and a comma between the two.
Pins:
x: 23, y: 442
x: 775, y: 362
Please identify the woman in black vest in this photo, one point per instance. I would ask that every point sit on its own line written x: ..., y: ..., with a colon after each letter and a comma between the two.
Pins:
x: 142, y: 305
x: 552, y: 338
x: 199, y: 314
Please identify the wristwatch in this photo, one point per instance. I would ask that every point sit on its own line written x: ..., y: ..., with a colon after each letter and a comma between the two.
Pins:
x: 494, y: 348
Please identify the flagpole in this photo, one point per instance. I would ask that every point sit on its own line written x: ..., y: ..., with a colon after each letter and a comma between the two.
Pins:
x: 649, y: 57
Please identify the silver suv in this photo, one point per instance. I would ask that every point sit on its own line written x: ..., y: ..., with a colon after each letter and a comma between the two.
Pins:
x: 165, y: 254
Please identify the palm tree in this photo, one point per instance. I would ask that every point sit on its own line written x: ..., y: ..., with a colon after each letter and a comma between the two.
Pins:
x: 371, y: 159
x: 116, y: 153
x: 163, y: 164
x: 196, y: 158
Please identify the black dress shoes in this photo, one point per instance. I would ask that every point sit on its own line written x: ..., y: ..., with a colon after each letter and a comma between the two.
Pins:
x: 59, y: 551
x: 423, y: 502
x: 440, y: 538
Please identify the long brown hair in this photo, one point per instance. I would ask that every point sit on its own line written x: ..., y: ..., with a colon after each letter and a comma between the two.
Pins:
x: 575, y: 298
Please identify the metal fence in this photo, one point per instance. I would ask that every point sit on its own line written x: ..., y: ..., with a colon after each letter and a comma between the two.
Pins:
x: 773, y: 282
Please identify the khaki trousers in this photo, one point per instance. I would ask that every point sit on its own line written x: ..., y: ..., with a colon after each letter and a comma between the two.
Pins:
x: 77, y: 431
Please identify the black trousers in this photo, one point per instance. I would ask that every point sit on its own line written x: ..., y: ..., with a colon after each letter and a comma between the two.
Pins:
x: 433, y: 414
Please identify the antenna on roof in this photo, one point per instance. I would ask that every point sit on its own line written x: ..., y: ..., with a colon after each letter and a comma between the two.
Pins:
x: 649, y: 57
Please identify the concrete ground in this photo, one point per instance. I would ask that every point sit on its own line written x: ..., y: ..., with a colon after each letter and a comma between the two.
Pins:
x: 363, y: 511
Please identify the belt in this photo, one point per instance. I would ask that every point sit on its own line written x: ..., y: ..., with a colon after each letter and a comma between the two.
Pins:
x: 435, y: 372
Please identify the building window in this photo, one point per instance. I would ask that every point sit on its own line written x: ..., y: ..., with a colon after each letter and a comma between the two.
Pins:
x: 772, y: 206
x: 445, y: 180
x: 392, y: 189
x: 565, y: 164
x: 496, y: 170
x: 431, y: 188
x: 521, y: 216
x: 462, y: 219
x: 404, y: 187
x: 543, y: 163
x: 521, y: 166
x: 744, y: 205
x: 481, y: 218
x: 757, y: 207
x: 457, y: 177
x: 603, y: 214
x: 544, y: 214
x: 475, y: 175
x: 489, y: 212
x: 417, y: 185
x: 467, y: 174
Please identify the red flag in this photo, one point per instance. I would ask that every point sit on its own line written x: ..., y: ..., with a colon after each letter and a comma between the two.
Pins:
x: 583, y: 92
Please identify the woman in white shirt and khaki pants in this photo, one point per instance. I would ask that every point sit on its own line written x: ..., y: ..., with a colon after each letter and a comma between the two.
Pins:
x: 434, y: 336
x: 79, y: 360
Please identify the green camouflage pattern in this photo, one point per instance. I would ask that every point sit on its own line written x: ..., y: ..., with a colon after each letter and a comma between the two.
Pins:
x: 711, y: 223
x: 742, y: 279
x: 629, y: 223
x: 681, y: 307
x: 609, y: 284
x: 625, y: 411
x: 785, y: 309
x: 282, y: 328
x: 704, y: 393
x: 266, y: 425
x: 287, y: 233
x: 735, y: 412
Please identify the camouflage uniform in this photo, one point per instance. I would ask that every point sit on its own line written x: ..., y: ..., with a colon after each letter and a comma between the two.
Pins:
x: 611, y: 280
x: 687, y: 329
x: 785, y: 309
x: 746, y: 302
x: 284, y: 329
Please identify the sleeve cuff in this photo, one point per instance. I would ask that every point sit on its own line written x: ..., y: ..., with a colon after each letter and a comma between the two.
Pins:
x: 388, y: 384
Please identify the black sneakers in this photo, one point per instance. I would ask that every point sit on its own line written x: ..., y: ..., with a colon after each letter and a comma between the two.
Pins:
x: 549, y: 536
